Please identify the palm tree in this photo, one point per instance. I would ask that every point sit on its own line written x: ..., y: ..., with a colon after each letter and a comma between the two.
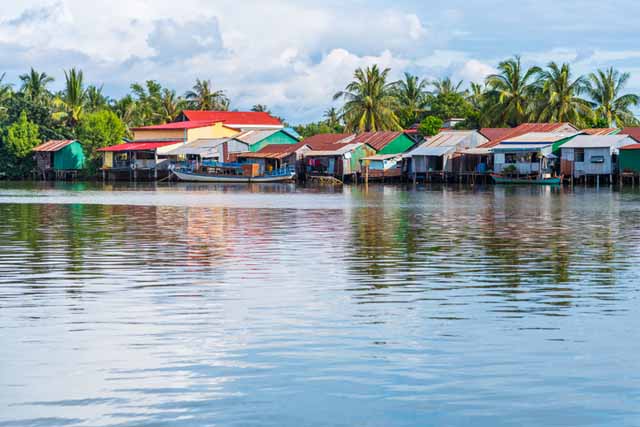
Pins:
x: 172, y: 105
x: 447, y: 86
x: 513, y: 89
x: 260, y: 108
x: 125, y: 109
x: 412, y: 96
x: 71, y: 101
x: 369, y: 101
x: 95, y: 98
x: 561, y: 100
x: 605, y: 87
x: 5, y: 92
x: 34, y: 85
x: 332, y: 117
x: 202, y: 97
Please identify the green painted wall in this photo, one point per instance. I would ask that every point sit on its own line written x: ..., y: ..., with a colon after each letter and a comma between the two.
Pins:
x: 399, y: 145
x: 279, y: 137
x: 70, y: 157
x: 363, y: 151
x: 629, y: 160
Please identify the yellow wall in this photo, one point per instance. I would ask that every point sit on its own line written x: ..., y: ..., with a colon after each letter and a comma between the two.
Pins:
x: 107, y: 160
x: 217, y: 130
x: 158, y: 134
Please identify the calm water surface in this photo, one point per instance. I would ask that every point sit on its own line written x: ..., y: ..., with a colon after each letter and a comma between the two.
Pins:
x: 200, y: 305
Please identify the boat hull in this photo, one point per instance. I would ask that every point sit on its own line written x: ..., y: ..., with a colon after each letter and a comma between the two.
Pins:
x: 498, y: 179
x: 196, y: 177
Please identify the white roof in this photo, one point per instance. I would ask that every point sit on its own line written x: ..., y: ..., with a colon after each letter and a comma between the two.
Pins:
x: 541, y: 137
x: 200, y: 147
x: 425, y: 150
x: 599, y: 141
x: 453, y: 138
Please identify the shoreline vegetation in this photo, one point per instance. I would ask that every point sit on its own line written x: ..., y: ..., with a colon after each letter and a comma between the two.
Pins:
x: 31, y: 113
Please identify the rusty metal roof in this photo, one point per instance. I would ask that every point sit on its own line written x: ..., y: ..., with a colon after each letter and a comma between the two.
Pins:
x: 54, y: 145
x: 494, y: 133
x: 377, y: 140
x: 327, y: 139
x: 601, y: 131
x: 525, y: 128
x: 275, y: 151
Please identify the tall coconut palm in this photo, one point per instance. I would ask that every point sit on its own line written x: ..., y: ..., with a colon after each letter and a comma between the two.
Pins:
x: 202, y: 97
x: 95, y: 99
x: 125, y: 109
x: 369, y: 101
x: 71, y: 101
x: 605, y: 89
x: 332, y: 117
x: 412, y: 97
x: 172, y: 105
x: 513, y: 90
x: 560, y: 95
x: 447, y: 86
x: 34, y: 85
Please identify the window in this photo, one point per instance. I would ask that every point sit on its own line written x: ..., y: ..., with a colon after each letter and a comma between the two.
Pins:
x: 579, y: 155
x: 511, y: 158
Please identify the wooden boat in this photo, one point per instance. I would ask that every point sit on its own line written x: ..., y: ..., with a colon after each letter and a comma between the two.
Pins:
x: 233, y: 173
x: 203, y: 177
x: 501, y: 179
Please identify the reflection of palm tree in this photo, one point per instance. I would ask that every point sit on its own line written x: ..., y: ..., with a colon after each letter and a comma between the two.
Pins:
x: 202, y: 97
x: 369, y: 101
x: 604, y: 88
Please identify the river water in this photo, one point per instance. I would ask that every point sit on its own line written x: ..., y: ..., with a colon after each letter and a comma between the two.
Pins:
x: 198, y: 305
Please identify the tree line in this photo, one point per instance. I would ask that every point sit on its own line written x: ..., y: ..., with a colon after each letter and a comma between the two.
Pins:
x: 514, y: 95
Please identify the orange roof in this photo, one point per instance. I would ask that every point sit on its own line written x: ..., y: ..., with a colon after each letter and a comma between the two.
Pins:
x: 238, y: 118
x: 325, y: 139
x: 599, y: 131
x: 632, y: 132
x: 377, y: 140
x: 54, y: 145
x: 274, y: 151
x: 494, y: 133
x: 525, y: 128
x: 631, y: 147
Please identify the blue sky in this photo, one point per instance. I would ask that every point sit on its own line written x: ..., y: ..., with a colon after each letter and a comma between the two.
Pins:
x: 293, y: 55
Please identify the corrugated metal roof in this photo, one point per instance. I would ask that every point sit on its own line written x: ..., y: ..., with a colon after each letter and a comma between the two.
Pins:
x: 327, y: 138
x: 525, y: 128
x: 436, y: 151
x: 139, y: 146
x: 200, y: 147
x: 522, y: 147
x: 177, y: 125
x: 633, y: 132
x: 231, y: 118
x: 342, y: 149
x: 450, y: 138
x: 494, y: 133
x: 377, y: 140
x: 539, y: 137
x: 631, y: 147
x: 275, y: 151
x: 601, y: 131
x: 598, y: 141
x: 383, y: 157
x: 53, y: 145
x: 254, y: 136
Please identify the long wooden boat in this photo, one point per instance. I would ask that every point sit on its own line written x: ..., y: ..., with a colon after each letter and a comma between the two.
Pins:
x: 202, y: 177
x: 501, y: 179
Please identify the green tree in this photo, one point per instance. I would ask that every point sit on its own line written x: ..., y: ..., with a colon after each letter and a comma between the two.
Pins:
x: 412, y: 97
x: 5, y: 93
x: 514, y: 89
x: 171, y: 105
x: 450, y: 105
x: 203, y: 97
x: 311, y: 129
x: 34, y: 85
x: 95, y: 99
x: 260, y: 108
x: 430, y: 126
x: 97, y: 130
x: 71, y: 101
x: 446, y: 86
x: 21, y: 137
x: 561, y: 101
x: 369, y: 101
x: 605, y: 89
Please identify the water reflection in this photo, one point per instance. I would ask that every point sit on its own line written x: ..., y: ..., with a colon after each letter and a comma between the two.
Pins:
x: 281, y: 305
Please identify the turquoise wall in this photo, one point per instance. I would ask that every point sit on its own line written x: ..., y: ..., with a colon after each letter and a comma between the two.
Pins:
x: 279, y: 137
x: 70, y: 157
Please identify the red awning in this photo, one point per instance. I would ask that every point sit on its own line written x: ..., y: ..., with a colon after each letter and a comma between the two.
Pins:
x: 139, y: 146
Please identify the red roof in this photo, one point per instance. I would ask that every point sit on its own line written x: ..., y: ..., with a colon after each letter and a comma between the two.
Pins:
x: 248, y: 118
x: 139, y: 146
x: 377, y: 140
x: 631, y: 147
x: 55, y: 145
x: 177, y: 125
x: 523, y: 129
x: 632, y: 132
x: 325, y: 139
x: 494, y: 133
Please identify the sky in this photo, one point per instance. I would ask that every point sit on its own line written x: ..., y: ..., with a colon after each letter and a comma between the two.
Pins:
x: 293, y: 55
